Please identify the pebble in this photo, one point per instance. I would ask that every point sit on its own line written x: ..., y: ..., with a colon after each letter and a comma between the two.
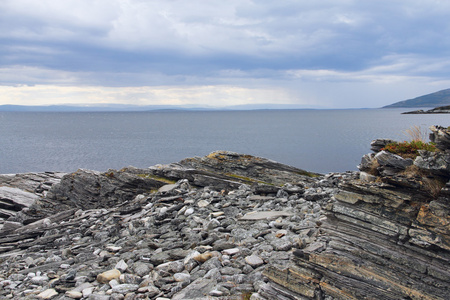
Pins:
x: 254, y: 261
x: 109, y: 275
x: 202, y: 203
x: 47, y: 294
x: 125, y: 288
x: 74, y: 295
x: 165, y: 244
x: 121, y: 266
x: 180, y: 277
x: 189, y: 211
x: 203, y: 257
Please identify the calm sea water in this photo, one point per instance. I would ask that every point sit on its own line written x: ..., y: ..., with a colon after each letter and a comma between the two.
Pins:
x: 316, y: 140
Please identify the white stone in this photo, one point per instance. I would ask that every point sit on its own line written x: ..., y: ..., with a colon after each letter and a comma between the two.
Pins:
x: 254, y: 261
x: 189, y: 211
x: 231, y: 251
x: 217, y: 214
x: 47, y: 294
x: 113, y: 248
x: 215, y: 293
x: 74, y: 294
x: 181, y: 277
x: 261, y: 215
x: 39, y: 280
x: 125, y: 288
x: 202, y: 203
x: 64, y: 266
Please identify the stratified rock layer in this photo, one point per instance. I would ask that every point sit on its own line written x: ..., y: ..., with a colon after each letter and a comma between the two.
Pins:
x: 232, y: 226
x: 384, y: 239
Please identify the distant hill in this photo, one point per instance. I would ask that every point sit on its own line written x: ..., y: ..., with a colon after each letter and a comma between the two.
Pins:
x: 436, y: 99
x: 125, y: 107
x: 94, y: 108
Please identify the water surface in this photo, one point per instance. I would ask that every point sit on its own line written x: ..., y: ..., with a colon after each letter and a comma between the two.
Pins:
x: 316, y: 140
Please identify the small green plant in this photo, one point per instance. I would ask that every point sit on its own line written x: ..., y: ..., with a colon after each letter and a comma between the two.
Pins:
x: 246, y: 296
x: 409, y: 149
x: 158, y: 178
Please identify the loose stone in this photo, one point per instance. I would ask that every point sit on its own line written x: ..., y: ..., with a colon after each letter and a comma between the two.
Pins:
x: 107, y: 276
x: 254, y: 261
x: 47, y: 294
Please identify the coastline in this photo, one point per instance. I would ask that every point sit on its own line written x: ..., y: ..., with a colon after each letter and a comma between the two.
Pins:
x: 232, y: 225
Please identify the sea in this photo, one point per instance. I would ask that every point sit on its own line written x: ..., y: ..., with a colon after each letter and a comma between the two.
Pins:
x: 320, y: 141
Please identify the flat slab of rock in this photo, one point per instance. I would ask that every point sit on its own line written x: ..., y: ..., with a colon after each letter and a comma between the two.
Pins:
x: 196, y: 290
x: 262, y: 215
x: 16, y: 198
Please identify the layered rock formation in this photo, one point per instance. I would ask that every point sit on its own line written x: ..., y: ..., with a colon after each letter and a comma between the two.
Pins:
x: 385, y: 237
x: 188, y: 230
x: 19, y: 191
x: 232, y: 226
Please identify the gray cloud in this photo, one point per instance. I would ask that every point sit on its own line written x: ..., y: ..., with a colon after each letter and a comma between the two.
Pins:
x: 240, y: 42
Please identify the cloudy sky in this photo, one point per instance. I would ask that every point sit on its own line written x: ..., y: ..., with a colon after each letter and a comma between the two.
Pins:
x: 323, y: 54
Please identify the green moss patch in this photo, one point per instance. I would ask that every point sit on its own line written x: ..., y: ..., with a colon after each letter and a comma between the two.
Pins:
x: 158, y: 178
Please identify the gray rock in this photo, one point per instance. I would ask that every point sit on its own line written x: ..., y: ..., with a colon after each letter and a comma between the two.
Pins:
x: 254, y: 261
x: 367, y: 162
x: 378, y: 144
x: 14, y: 199
x: 125, y: 288
x: 181, y: 277
x: 141, y: 269
x: 437, y: 163
x: 441, y: 137
x: 262, y: 215
x: 121, y: 266
x: 196, y: 290
x: 388, y: 159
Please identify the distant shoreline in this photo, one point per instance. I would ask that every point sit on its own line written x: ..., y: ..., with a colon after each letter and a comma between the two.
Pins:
x: 158, y: 108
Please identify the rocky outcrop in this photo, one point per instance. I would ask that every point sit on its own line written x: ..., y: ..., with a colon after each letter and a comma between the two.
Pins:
x: 19, y: 191
x: 224, y: 170
x: 441, y: 137
x: 383, y: 238
x: 182, y: 231
x: 437, y: 110
x: 233, y: 226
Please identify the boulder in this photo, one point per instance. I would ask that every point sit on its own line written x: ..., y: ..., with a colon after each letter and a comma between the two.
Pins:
x: 441, y: 136
x: 378, y: 144
x: 437, y: 163
x: 388, y: 159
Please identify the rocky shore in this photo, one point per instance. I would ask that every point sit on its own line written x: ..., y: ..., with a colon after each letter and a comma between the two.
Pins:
x: 231, y: 226
x: 437, y: 110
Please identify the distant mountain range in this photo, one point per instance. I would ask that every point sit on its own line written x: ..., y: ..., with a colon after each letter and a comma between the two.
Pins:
x: 440, y: 98
x: 93, y: 108
x: 136, y: 108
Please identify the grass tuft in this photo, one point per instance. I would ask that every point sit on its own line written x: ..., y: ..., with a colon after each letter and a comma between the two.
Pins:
x: 416, y: 134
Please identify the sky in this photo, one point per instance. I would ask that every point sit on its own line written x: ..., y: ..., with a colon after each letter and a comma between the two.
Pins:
x: 308, y: 54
